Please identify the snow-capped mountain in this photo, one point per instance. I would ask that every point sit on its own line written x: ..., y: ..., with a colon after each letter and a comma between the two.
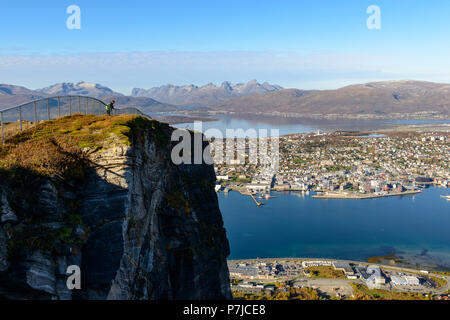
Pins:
x: 210, y: 94
x: 81, y: 88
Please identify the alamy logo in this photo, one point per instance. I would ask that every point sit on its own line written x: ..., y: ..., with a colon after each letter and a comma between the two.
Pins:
x: 374, y: 20
x: 74, y: 277
x: 237, y: 147
x: 74, y: 20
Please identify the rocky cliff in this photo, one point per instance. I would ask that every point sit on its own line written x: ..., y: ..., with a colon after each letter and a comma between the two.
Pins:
x: 102, y: 194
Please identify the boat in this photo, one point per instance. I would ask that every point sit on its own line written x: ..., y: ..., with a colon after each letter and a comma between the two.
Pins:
x: 218, y: 187
x: 446, y: 197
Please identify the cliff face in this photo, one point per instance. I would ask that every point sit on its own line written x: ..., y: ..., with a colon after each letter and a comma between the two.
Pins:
x: 138, y: 226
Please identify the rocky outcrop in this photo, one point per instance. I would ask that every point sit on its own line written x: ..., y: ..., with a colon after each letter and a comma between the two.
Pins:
x: 138, y: 226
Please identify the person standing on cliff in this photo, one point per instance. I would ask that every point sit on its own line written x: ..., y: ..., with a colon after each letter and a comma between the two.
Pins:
x: 109, y: 107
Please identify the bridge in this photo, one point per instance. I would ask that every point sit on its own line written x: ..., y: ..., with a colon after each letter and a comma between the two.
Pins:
x: 16, y: 119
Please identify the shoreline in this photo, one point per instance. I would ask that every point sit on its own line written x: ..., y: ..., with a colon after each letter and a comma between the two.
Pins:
x: 358, y: 262
x: 321, y: 116
x: 362, y: 197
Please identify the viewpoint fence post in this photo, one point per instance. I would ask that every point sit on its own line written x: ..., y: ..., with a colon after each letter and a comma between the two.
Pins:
x: 20, y: 118
x: 79, y: 104
x: 59, y: 107
x: 3, y: 127
x: 70, y: 105
x: 48, y: 109
x: 35, y: 114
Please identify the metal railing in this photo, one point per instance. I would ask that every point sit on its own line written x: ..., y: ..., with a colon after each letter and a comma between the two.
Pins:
x: 16, y: 119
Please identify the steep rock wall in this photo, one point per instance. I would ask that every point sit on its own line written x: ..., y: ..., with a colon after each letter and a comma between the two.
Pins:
x: 150, y: 229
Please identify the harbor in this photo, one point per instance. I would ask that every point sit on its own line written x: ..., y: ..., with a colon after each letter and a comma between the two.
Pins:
x: 296, y: 225
x: 355, y: 196
x: 322, y: 194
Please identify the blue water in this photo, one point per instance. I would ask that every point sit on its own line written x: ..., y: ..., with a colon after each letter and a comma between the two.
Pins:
x: 292, y: 225
x: 373, y: 136
x: 297, y: 125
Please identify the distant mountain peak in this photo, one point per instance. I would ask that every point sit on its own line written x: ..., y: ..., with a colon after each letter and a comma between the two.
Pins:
x: 372, y: 99
x: 206, y: 95
x: 10, y: 90
x: 80, y: 88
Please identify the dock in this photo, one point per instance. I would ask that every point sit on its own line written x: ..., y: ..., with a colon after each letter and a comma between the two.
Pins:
x: 259, y: 204
x: 245, y: 192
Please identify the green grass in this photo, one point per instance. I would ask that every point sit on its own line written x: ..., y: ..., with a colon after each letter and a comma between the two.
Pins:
x: 364, y: 293
x: 290, y: 294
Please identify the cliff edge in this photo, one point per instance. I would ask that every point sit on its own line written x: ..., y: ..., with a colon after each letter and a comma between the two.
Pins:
x: 102, y: 193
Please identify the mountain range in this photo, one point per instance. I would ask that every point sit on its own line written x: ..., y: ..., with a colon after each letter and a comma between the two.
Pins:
x: 81, y: 88
x: 206, y: 95
x: 375, y: 98
x: 11, y: 96
x: 379, y: 99
x: 159, y: 99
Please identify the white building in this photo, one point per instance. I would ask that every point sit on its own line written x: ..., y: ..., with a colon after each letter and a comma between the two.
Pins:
x: 372, y: 275
x: 405, y: 280
x: 319, y: 263
x: 411, y: 280
x: 398, y: 281
x: 258, y: 187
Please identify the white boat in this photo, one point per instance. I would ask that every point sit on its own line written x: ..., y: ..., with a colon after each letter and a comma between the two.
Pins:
x: 218, y: 187
x: 446, y: 197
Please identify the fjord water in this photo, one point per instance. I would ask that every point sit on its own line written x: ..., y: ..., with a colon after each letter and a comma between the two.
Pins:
x: 297, y: 125
x: 295, y: 225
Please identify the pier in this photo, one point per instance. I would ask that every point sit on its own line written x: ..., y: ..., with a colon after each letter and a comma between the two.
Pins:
x: 259, y: 204
x: 244, y: 191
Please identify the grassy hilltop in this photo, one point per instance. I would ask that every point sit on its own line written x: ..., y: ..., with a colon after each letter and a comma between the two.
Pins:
x: 56, y: 146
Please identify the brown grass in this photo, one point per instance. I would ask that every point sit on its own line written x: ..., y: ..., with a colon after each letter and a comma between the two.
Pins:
x: 326, y: 272
x: 13, y: 128
x: 56, y: 146
x: 57, y: 149
x: 364, y: 293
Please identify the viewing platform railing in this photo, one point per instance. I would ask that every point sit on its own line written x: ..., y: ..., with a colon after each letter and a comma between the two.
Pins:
x: 16, y: 119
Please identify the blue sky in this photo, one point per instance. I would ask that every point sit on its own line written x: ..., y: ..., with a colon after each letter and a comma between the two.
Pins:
x: 300, y: 43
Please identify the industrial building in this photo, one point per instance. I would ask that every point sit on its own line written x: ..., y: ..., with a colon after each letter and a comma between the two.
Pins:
x: 372, y: 276
x: 346, y: 268
x: 405, y: 280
